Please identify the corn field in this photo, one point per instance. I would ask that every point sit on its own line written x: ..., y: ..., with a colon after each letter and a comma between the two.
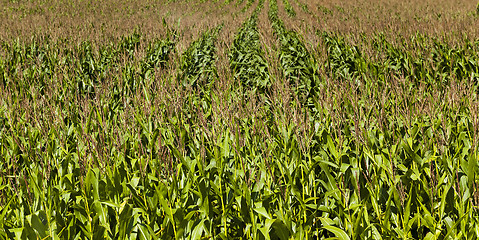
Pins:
x: 239, y: 119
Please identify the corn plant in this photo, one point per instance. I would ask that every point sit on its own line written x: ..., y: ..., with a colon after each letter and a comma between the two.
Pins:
x: 247, y: 57
x: 378, y: 139
x: 343, y: 61
x: 289, y: 9
x: 248, y: 5
x: 197, y: 64
x: 303, y: 6
x: 296, y: 62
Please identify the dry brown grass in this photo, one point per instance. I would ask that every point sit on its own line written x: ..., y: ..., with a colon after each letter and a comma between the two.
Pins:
x: 397, y: 17
x: 106, y: 21
x: 79, y: 20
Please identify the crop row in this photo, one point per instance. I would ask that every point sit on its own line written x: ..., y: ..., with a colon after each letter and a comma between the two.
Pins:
x: 197, y: 65
x: 297, y: 65
x: 428, y: 61
x: 103, y: 142
x: 303, y: 6
x: 249, y: 3
x: 289, y: 9
x: 39, y: 65
x: 247, y: 60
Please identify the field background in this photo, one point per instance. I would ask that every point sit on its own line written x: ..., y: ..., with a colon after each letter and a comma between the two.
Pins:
x: 239, y: 119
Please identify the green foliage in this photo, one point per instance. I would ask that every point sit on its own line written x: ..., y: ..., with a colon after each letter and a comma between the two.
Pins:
x: 296, y: 62
x: 289, y: 9
x: 117, y: 141
x: 303, y: 6
x: 248, y: 5
x: 247, y: 56
x: 442, y: 63
x: 325, y: 10
x: 239, y: 2
x: 343, y: 61
x: 198, y: 61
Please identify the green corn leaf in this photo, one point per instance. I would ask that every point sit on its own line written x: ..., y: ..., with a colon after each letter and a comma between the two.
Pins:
x: 38, y: 225
x: 263, y: 212
x: 339, y: 233
x: 198, y: 230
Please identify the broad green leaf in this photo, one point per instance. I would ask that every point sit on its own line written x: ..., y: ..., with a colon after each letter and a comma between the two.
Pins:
x: 198, y: 230
x: 339, y: 233
x: 263, y: 212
